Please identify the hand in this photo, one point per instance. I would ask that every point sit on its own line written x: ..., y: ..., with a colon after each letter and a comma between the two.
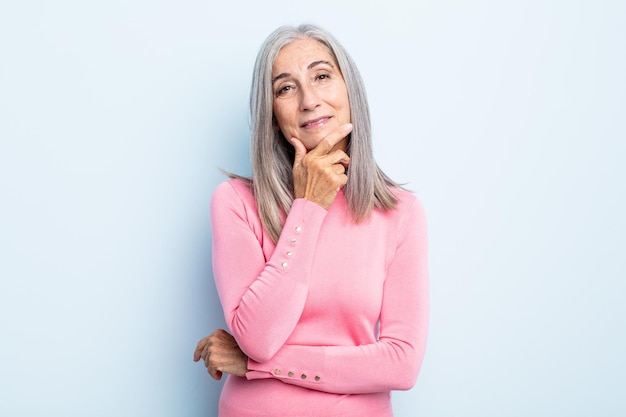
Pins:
x: 319, y: 173
x: 221, y: 353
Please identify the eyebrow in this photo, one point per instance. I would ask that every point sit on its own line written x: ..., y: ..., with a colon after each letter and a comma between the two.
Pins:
x: 310, y: 66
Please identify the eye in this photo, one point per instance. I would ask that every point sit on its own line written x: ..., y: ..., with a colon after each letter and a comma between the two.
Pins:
x: 323, y: 77
x: 284, y: 89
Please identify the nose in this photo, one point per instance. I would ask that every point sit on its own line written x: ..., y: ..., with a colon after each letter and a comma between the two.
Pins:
x: 309, y: 99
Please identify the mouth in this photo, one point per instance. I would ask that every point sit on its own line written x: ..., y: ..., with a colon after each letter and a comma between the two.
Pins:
x: 313, y: 123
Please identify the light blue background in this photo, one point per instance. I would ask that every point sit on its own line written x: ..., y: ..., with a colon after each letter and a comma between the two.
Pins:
x: 508, y: 120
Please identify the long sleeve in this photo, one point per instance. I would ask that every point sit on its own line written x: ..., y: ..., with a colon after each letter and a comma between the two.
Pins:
x: 394, y: 359
x: 262, y: 300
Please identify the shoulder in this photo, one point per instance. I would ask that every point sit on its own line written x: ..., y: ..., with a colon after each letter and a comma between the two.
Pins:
x: 408, y: 210
x: 407, y: 201
x: 409, y: 220
x: 234, y: 189
x: 233, y: 195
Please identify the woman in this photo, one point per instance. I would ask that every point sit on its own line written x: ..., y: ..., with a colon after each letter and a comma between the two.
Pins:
x: 319, y: 259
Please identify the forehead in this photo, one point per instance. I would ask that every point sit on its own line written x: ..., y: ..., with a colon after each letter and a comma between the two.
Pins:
x: 300, y: 53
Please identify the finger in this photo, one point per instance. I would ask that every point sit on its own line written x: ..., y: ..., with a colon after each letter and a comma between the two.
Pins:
x: 341, y: 180
x: 205, y: 355
x: 215, y: 374
x: 337, y: 157
x: 339, y: 169
x: 336, y: 136
x: 300, y: 151
x: 197, y: 354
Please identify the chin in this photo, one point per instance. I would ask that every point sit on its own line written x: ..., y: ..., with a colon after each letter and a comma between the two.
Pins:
x: 312, y: 139
x: 311, y: 145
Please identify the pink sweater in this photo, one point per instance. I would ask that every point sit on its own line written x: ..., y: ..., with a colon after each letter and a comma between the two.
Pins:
x: 333, y: 316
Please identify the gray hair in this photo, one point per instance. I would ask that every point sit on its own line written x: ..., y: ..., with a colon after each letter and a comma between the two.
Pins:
x: 272, y: 156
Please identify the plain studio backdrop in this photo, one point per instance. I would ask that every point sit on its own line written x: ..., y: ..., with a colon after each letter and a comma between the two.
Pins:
x: 506, y: 118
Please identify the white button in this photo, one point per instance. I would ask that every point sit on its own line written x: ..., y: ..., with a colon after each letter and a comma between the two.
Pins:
x: 284, y: 264
x: 303, y: 376
x: 290, y: 374
x: 298, y: 228
x: 317, y: 378
x: 276, y: 371
x: 289, y: 253
x: 293, y: 240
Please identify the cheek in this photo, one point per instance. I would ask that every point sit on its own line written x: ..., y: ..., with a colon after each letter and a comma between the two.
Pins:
x: 343, y: 103
x: 282, y: 116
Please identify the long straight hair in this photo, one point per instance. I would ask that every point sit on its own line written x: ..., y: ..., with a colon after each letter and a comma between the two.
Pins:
x: 368, y: 186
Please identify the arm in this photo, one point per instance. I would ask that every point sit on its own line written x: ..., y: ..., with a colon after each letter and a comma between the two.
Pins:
x: 262, y: 301
x: 394, y: 360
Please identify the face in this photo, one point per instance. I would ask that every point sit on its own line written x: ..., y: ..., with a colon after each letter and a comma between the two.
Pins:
x: 310, y: 95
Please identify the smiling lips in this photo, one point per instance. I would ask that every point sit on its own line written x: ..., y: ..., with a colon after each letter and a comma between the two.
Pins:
x: 311, y: 124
